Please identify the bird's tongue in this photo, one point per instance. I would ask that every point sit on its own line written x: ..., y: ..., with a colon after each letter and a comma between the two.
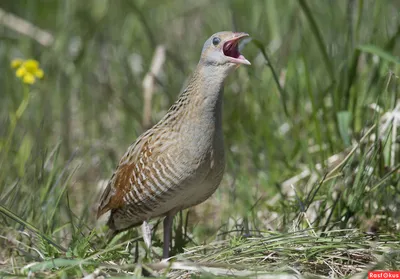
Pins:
x: 231, y: 49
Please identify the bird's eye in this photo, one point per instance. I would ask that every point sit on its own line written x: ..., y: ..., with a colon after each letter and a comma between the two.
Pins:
x: 216, y: 41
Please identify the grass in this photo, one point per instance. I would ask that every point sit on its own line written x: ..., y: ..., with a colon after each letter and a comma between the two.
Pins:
x: 311, y: 186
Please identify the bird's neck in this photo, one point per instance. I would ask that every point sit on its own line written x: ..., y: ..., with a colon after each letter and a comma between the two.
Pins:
x: 206, y: 93
x: 201, y: 102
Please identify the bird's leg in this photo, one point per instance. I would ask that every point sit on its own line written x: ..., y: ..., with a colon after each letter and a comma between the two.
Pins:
x: 167, y: 233
x: 146, y: 231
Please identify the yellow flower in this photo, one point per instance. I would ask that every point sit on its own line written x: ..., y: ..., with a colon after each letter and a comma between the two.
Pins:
x: 20, y: 72
x: 16, y: 63
x: 39, y: 73
x: 31, y: 65
x: 28, y: 71
x: 29, y: 78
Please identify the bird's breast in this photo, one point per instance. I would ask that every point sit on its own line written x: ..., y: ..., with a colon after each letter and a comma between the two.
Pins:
x: 203, y: 156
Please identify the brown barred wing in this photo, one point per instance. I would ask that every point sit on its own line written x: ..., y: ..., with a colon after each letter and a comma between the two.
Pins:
x: 140, y: 184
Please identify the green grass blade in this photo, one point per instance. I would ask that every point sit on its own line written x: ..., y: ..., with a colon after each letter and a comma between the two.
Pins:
x: 260, y: 46
x: 54, y: 263
x: 320, y: 40
x: 30, y: 227
x: 372, y: 49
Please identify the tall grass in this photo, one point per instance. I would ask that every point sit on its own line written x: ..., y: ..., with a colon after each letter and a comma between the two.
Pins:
x: 310, y: 133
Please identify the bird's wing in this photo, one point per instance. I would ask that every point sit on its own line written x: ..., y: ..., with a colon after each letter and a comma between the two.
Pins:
x: 142, y: 174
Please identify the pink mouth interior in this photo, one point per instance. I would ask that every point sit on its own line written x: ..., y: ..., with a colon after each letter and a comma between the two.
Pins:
x: 230, y: 49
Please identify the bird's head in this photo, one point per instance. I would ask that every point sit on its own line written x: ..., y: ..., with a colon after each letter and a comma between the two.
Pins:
x: 222, y: 49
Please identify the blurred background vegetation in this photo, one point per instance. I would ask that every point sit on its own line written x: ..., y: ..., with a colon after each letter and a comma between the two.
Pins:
x: 310, y: 127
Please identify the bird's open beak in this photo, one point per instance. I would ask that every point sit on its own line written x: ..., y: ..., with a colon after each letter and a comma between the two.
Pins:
x: 231, y: 49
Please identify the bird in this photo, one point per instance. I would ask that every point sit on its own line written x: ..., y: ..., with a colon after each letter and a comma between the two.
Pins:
x: 180, y: 161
